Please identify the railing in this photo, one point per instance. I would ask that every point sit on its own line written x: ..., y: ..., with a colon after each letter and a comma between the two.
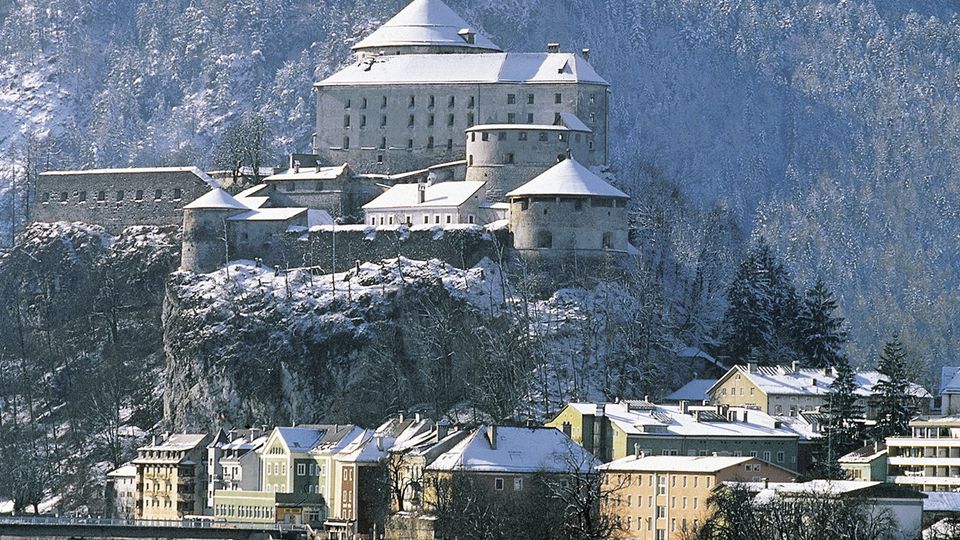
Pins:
x: 116, y: 522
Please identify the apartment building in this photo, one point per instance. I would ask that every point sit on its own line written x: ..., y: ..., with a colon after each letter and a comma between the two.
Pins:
x: 665, y: 497
x: 928, y: 459
x: 172, y: 477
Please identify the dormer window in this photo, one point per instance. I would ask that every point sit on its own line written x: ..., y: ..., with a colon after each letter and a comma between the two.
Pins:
x: 468, y: 36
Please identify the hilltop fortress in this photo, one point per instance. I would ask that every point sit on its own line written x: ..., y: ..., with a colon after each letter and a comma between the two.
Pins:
x: 433, y: 142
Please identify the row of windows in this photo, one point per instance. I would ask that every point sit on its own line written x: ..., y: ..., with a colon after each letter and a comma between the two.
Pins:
x: 315, y: 470
x: 661, y: 534
x: 517, y: 484
x: 545, y: 240
x: 693, y: 502
x: 543, y: 136
x: 255, y: 512
x: 578, y: 203
x: 431, y: 143
x: 411, y: 120
x: 101, y: 196
x: 452, y: 101
x: 276, y: 468
x: 408, y: 220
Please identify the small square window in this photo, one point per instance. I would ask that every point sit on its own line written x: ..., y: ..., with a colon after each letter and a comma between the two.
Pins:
x: 497, y: 482
x: 511, y: 99
x: 558, y: 98
x: 530, y: 99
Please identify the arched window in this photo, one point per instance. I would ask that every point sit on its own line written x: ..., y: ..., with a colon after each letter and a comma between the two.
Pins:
x: 544, y: 240
x: 607, y: 240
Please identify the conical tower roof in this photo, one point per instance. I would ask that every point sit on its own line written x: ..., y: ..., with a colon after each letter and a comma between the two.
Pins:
x: 568, y: 178
x: 426, y: 23
x: 216, y: 199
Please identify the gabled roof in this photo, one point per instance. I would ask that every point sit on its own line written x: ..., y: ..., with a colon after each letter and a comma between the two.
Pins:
x: 444, y: 194
x: 695, y: 390
x: 950, y: 380
x: 865, y: 454
x: 127, y: 470
x: 518, y: 450
x: 309, y: 173
x: 134, y: 171
x: 696, y: 464
x: 485, y: 68
x: 299, y: 439
x: 216, y: 199
x: 425, y: 23
x: 784, y: 380
x: 179, y: 442
x: 568, y: 178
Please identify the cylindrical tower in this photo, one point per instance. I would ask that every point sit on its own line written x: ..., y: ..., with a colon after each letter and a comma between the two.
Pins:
x: 205, y: 231
x: 567, y: 209
x: 506, y: 156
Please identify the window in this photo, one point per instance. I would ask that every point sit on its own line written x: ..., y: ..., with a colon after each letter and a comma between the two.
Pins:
x: 684, y: 505
x: 511, y: 99
x: 780, y: 457
x: 530, y: 99
x: 64, y: 196
x: 485, y: 136
x: 409, y: 144
x: 426, y: 220
x: 511, y: 118
x: 661, y: 485
x: 470, y: 159
x: 450, y: 120
x: 558, y: 98
x: 469, y: 119
x: 766, y: 456
x: 45, y: 198
x: 413, y: 101
x: 158, y: 194
x: 529, y: 118
x: 517, y: 482
x: 509, y: 158
x: 449, y: 218
x: 471, y: 102
x: 544, y: 240
x: 661, y: 511
x: 363, y: 104
x: 522, y: 136
x: 363, y: 121
x: 501, y: 135
x: 120, y: 195
x: 390, y: 220
x: 139, y: 195
x: 346, y: 143
x: 470, y: 219
x: 449, y: 144
x: 383, y: 120
x: 82, y: 196
x: 383, y: 143
x: 346, y: 105
x: 379, y: 158
x: 608, y: 244
x: 431, y: 101
x: 497, y: 482
x: 430, y: 142
x: 346, y: 120
x: 431, y: 120
x: 452, y: 102
x: 543, y: 136
x: 473, y: 137
x: 411, y: 121
x: 301, y: 469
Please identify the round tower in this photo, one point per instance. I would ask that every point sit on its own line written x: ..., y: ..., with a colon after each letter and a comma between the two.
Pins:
x: 568, y: 208
x: 506, y: 156
x: 205, y: 237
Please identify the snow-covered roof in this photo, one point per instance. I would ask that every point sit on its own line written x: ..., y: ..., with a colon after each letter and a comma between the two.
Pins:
x: 269, y: 214
x: 568, y: 178
x: 695, y: 390
x: 639, y: 418
x: 950, y: 380
x: 216, y: 199
x: 696, y: 352
x: 309, y: 173
x: 573, y: 122
x: 518, y: 450
x: 202, y: 176
x: 444, y: 194
x: 865, y: 454
x: 298, y: 439
x: 126, y: 470
x: 425, y: 23
x: 827, y: 488
x: 784, y: 380
x: 702, y: 464
x: 528, y: 68
x: 941, y: 501
x: 178, y: 442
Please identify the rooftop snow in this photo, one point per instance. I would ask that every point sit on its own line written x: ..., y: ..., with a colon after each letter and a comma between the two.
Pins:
x: 695, y: 390
x: 308, y: 173
x: 779, y: 380
x: 568, y: 178
x: 202, y: 176
x: 573, y: 122
x: 707, y: 464
x: 864, y: 454
x: 216, y: 199
x: 518, y: 449
x: 950, y: 380
x: 468, y: 68
x: 269, y: 214
x: 299, y: 439
x: 127, y: 470
x: 424, y: 23
x: 178, y: 441
x: 444, y: 194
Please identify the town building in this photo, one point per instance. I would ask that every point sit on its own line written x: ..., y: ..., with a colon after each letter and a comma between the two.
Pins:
x: 118, y: 198
x: 665, y: 497
x: 782, y: 390
x: 928, y: 459
x: 121, y: 492
x: 614, y: 430
x: 694, y: 391
x: 950, y: 391
x: 172, y: 477
x: 867, y: 464
x: 233, y: 463
x: 424, y: 77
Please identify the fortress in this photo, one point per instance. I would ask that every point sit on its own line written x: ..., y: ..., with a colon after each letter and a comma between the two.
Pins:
x: 433, y: 142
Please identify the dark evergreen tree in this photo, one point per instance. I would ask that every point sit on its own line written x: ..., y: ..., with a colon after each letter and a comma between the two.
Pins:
x: 843, y: 431
x: 822, y: 335
x: 893, y: 403
x: 761, y: 321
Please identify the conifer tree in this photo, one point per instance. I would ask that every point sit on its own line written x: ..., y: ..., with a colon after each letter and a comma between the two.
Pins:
x: 843, y: 430
x: 821, y: 332
x: 893, y: 406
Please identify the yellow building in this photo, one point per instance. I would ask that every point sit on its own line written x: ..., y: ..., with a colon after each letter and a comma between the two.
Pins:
x: 788, y: 390
x: 171, y: 477
x: 665, y: 497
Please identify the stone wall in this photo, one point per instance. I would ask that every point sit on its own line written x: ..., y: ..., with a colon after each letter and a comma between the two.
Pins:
x: 461, y: 245
x: 118, y: 198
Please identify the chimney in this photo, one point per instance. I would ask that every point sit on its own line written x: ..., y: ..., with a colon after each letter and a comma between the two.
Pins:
x: 745, y: 416
x: 636, y: 450
x: 153, y: 442
x: 416, y: 417
x: 296, y: 166
x: 492, y: 436
x: 876, y: 446
x: 553, y: 47
x: 766, y: 483
x: 795, y: 366
x: 443, y: 429
x: 585, y: 53
x: 421, y: 193
x: 647, y: 398
x: 684, y: 407
x: 751, y: 367
x: 601, y: 409
x: 380, y: 442
x: 468, y: 35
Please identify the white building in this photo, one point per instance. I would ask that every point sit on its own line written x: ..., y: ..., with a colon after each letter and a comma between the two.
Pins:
x: 122, y: 491
x: 446, y: 203
x: 929, y: 459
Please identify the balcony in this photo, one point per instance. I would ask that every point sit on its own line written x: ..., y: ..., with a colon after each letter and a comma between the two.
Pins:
x: 923, y: 442
x: 924, y: 461
x: 924, y: 480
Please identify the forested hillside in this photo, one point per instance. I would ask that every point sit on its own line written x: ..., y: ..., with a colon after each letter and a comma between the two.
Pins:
x: 831, y: 128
